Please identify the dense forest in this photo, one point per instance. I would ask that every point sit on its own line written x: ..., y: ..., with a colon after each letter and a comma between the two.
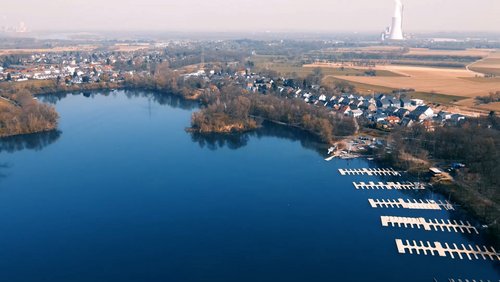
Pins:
x: 21, y: 114
x: 238, y: 111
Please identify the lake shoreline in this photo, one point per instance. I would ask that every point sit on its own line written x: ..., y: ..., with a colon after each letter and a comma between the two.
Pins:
x: 239, y: 130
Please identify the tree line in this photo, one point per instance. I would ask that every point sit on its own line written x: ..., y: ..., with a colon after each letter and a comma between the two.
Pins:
x: 475, y: 143
x: 26, y: 115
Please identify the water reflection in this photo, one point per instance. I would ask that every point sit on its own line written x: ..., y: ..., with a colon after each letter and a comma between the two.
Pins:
x: 157, y: 97
x: 268, y: 129
x: 35, y: 141
x: 164, y: 99
x: 217, y: 141
x: 3, y: 166
x: 58, y: 96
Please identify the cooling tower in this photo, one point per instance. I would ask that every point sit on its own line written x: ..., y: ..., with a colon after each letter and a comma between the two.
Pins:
x: 396, y: 32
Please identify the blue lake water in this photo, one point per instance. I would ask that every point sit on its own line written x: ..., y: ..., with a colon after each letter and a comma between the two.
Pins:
x: 123, y: 193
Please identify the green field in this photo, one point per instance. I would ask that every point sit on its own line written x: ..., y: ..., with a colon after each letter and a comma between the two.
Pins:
x: 285, y: 66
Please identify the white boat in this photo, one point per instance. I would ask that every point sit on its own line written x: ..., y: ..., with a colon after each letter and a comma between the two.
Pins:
x: 329, y: 158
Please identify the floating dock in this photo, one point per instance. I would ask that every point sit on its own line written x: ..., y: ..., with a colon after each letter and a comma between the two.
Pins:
x: 429, y: 225
x: 388, y: 186
x: 370, y: 171
x: 427, y: 248
x: 469, y: 280
x: 411, y: 204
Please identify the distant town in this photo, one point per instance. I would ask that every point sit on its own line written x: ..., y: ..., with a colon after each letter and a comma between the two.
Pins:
x: 385, y: 110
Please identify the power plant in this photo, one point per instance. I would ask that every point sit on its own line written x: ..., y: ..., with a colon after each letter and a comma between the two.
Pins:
x: 395, y: 31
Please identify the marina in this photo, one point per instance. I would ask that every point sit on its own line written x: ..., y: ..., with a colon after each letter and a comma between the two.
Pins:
x: 388, y: 186
x: 370, y: 172
x: 428, y: 224
x: 411, y: 204
x: 428, y: 248
x: 469, y: 280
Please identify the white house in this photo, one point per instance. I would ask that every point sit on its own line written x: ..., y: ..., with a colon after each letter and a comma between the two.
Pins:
x: 356, y: 113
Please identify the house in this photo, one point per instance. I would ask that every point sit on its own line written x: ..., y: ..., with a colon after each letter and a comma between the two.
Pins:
x: 392, y: 100
x: 438, y: 120
x: 345, y: 110
x: 391, y: 110
x: 417, y: 102
x: 356, y: 113
x: 356, y: 102
x: 444, y: 115
x: 454, y: 119
x: 404, y: 102
x: 379, y: 117
x: 429, y: 125
x: 421, y: 113
x: 402, y: 112
x: 435, y: 171
x: 329, y: 104
x: 384, y: 125
x: 393, y: 119
x: 368, y: 106
x: 384, y: 103
x: 313, y: 99
x: 406, y: 122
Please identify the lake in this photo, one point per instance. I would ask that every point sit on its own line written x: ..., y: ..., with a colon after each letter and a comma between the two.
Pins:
x: 121, y: 192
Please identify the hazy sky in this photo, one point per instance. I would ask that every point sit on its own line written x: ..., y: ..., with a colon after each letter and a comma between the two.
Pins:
x: 250, y: 15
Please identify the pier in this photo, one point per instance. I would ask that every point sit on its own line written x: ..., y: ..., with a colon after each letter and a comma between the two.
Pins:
x: 411, y: 204
x: 428, y: 225
x: 468, y: 280
x: 427, y: 248
x: 388, y: 186
x: 370, y: 171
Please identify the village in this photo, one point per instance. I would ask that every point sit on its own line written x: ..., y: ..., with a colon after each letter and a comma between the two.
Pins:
x: 382, y: 111
x: 65, y: 67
